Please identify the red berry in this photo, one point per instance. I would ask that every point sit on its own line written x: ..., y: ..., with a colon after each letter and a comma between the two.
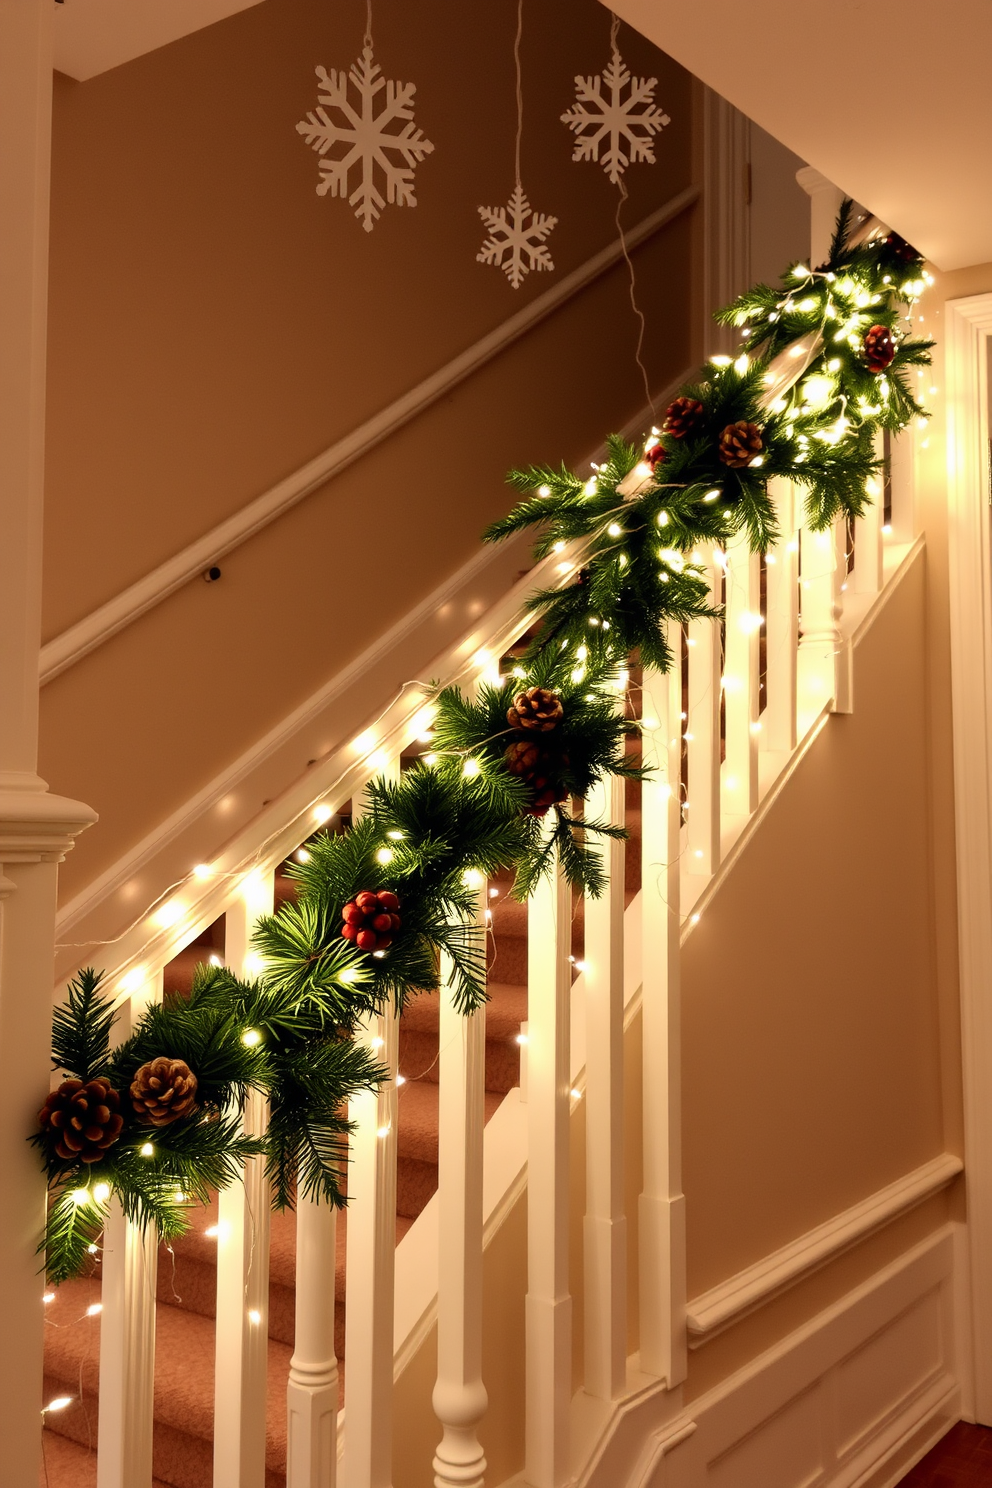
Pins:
x: 395, y: 921
x: 388, y: 900
x: 382, y: 922
x: 366, y: 940
x: 349, y: 932
x: 366, y: 899
x: 352, y: 915
x: 384, y: 941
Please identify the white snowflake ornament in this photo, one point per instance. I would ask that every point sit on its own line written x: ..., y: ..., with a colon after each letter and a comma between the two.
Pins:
x: 515, y: 244
x: 626, y: 126
x: 365, y: 140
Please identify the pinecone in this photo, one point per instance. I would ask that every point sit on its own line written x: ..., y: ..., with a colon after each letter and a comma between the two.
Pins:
x: 537, y: 708
x: 370, y: 920
x: 739, y: 443
x: 879, y: 348
x: 536, y: 768
x: 683, y: 417
x: 84, y: 1119
x: 163, y: 1090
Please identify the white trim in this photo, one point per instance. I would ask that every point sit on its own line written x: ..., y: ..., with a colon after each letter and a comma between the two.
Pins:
x: 713, y: 1311
x: 968, y: 328
x: 102, y: 623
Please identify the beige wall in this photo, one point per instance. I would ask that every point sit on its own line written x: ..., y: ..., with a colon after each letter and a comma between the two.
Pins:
x: 215, y: 324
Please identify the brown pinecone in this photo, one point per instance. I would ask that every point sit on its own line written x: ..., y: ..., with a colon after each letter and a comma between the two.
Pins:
x: 879, y: 348
x: 163, y: 1090
x: 525, y: 758
x: 739, y: 443
x: 902, y: 251
x: 536, y: 709
x: 536, y: 768
x: 683, y: 417
x: 84, y: 1119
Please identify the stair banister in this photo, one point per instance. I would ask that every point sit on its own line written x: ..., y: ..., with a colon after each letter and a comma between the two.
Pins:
x: 242, y: 1331
x: 460, y: 1397
x: 661, y: 1206
x: 548, y: 1307
x: 129, y: 1273
x: 604, y: 1232
x: 371, y: 1250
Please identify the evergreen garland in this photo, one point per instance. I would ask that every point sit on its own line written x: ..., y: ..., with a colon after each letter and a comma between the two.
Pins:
x: 158, y: 1121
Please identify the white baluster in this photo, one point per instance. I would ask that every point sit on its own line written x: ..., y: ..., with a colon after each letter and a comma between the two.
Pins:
x: 605, y: 1226
x: 460, y: 1397
x: 703, y: 736
x: 127, y: 1322
x: 312, y: 1393
x: 243, y: 1257
x: 902, y: 462
x: 549, y: 1304
x: 371, y: 1256
x: 661, y: 1209
x: 778, y: 722
x: 822, y: 654
x: 740, y: 678
x: 867, y: 575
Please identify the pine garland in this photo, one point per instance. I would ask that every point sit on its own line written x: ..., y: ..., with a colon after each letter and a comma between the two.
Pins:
x: 158, y: 1121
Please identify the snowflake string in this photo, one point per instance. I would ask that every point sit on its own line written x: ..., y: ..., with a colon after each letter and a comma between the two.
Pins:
x: 515, y: 244
x: 364, y: 139
x: 626, y: 125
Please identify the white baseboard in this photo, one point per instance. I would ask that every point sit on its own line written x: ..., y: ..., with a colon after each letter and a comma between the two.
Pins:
x: 849, y: 1400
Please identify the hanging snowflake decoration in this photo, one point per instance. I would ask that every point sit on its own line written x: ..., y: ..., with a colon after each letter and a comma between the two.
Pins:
x: 626, y: 126
x: 384, y: 146
x: 515, y: 244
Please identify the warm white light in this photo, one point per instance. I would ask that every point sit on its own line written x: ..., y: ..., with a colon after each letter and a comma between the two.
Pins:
x: 169, y: 914
x: 721, y: 361
x: 615, y: 530
x: 471, y: 768
x: 401, y: 1079
x: 521, y: 1038
x: 430, y: 759
x: 101, y: 1193
x: 591, y: 486
x: 582, y: 965
x: 749, y: 622
x: 711, y: 496
x: 80, y: 1195
x: 302, y: 855
x: 383, y: 1131
x: 649, y: 723
x: 48, y: 1297
x: 363, y: 742
x: 377, y: 1042
x: 133, y: 979
x: 203, y: 870
x: 59, y: 1403
x: 384, y: 855
x: 694, y: 919
x: 214, y: 959
x: 494, y: 893
x: 147, y: 1150
x: 730, y: 783
x: 251, y: 1038
x: 212, y: 1232
x: 472, y: 878
x: 92, y: 1249
x: 800, y: 272
x: 575, y: 1094
x: 94, y: 1309
x: 741, y: 365
x: 254, y: 1316
x: 544, y: 490
x: 818, y: 391
x: 252, y: 964
x: 322, y: 813
x: 887, y: 529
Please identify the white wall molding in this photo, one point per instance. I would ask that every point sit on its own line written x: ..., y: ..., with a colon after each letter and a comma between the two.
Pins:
x: 105, y: 621
x: 850, y: 1399
x: 968, y: 327
x: 713, y: 1311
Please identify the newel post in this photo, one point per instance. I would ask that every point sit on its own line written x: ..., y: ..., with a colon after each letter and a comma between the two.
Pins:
x: 36, y: 828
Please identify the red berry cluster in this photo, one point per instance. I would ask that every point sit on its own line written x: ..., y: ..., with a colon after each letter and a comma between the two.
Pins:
x: 370, y: 920
x: 655, y: 454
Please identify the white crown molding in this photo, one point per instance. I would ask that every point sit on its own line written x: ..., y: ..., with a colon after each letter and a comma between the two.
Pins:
x: 968, y: 326
x: 105, y: 621
x: 722, y: 1306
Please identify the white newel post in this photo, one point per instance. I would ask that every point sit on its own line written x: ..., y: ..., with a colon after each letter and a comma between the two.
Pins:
x: 312, y: 1393
x: 605, y: 1224
x: 36, y: 829
x: 127, y: 1322
x: 661, y: 1209
x: 460, y: 1397
x: 243, y: 1258
x: 549, y: 1303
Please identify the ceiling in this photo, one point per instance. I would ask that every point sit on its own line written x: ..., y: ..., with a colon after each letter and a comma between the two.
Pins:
x: 91, y: 36
x: 891, y: 99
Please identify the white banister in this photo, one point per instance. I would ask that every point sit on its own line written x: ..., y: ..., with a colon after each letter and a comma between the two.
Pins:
x: 460, y: 1397
x: 661, y: 1208
x: 822, y: 671
x: 549, y: 1304
x: 371, y: 1247
x: 740, y: 678
x: 604, y: 1230
x: 371, y: 1250
x: 702, y: 732
x: 312, y: 1393
x: 778, y: 722
x: 243, y: 1256
x: 129, y: 1276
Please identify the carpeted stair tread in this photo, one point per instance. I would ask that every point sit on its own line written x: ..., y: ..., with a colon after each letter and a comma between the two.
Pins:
x: 68, y: 1462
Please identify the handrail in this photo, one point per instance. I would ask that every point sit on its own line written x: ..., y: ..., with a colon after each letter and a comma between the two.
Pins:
x: 87, y: 634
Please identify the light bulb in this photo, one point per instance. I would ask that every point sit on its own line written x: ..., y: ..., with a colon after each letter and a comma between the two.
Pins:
x: 471, y: 768
x: 251, y: 1037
